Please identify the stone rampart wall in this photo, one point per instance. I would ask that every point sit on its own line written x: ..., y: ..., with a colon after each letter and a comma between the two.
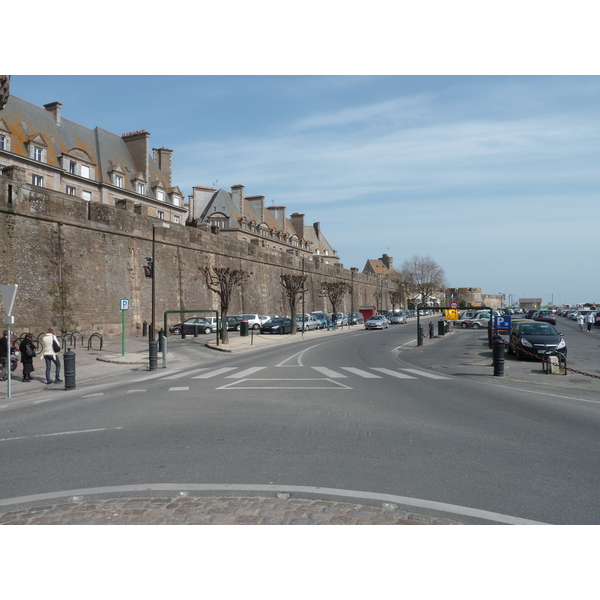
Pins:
x: 74, y: 260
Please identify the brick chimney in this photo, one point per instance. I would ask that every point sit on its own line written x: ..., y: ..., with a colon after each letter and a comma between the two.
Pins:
x: 298, y: 224
x: 200, y: 200
x: 388, y: 261
x: 138, y: 146
x: 258, y: 203
x: 279, y: 215
x: 317, y: 228
x: 237, y: 195
x: 164, y: 158
x: 54, y: 108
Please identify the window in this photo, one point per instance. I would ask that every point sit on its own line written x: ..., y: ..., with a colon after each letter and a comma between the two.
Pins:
x: 38, y: 154
x: 176, y: 200
x: 85, y: 171
x: 86, y: 195
x: 72, y: 167
x: 160, y: 214
x: 176, y: 219
x: 160, y: 195
x: 140, y: 188
x: 37, y: 180
x: 71, y: 191
x: 3, y: 144
x: 118, y: 180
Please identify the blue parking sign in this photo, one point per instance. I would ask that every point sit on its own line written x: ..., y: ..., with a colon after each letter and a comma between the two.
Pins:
x: 124, y: 304
x: 502, y: 324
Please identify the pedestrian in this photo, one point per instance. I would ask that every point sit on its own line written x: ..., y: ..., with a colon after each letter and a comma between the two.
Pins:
x: 4, y: 357
x: 27, y: 351
x: 50, y: 350
x: 334, y: 320
x: 328, y: 321
x: 589, y: 320
x: 580, y: 321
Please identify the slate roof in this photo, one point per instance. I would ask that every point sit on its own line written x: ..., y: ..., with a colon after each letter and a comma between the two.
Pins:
x: 376, y: 266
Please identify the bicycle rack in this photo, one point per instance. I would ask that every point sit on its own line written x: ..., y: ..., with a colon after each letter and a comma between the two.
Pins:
x: 549, y: 366
x: 93, y: 336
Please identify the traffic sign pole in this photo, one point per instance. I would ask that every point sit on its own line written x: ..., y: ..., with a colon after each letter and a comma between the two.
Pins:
x: 124, y: 307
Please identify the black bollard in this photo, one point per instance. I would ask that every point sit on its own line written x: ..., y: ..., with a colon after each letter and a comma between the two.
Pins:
x: 498, y: 355
x: 160, y: 340
x: 153, y: 355
x: 69, y: 365
x: 144, y: 329
x: 420, y: 335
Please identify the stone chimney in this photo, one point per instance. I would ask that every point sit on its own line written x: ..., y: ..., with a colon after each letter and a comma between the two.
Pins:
x: 388, y: 261
x: 164, y: 158
x: 298, y: 224
x: 54, y: 108
x: 237, y: 195
x: 279, y: 215
x: 258, y: 203
x: 138, y: 146
x: 200, y: 200
x: 317, y: 228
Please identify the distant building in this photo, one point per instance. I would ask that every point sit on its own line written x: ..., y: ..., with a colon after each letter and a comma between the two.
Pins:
x: 246, y: 218
x: 382, y: 266
x: 530, y: 303
x: 39, y: 146
x: 471, y: 296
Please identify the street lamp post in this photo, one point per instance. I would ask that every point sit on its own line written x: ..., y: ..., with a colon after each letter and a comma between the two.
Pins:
x: 152, y: 344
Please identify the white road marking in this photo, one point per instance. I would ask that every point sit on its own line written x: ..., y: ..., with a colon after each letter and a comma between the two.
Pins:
x: 394, y: 373
x: 153, y: 376
x: 299, y: 358
x: 93, y: 395
x: 424, y: 374
x: 179, y: 389
x: 215, y: 373
x: 361, y: 373
x: 26, y: 437
x: 330, y: 373
x: 136, y: 391
x: 245, y: 373
x: 185, y: 373
x: 236, y: 385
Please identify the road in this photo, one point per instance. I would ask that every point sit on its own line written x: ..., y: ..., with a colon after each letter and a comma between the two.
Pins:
x: 351, y: 412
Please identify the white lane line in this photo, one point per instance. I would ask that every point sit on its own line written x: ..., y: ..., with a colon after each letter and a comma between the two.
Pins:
x: 299, y: 355
x: 330, y: 373
x: 361, y: 373
x: 245, y: 373
x: 93, y: 395
x: 425, y: 374
x: 179, y: 389
x: 135, y: 391
x: 186, y: 373
x: 394, y: 373
x: 153, y: 376
x: 26, y: 437
x: 215, y: 373
x: 236, y: 385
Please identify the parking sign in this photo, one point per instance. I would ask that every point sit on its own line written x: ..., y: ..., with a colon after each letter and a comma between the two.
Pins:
x: 502, y: 324
x: 124, y: 304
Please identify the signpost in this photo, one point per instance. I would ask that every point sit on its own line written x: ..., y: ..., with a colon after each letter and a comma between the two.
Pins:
x: 8, y: 293
x: 124, y: 307
x: 502, y: 324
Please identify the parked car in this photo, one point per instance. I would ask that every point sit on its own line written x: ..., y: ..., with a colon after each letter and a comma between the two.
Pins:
x: 306, y: 323
x: 377, y: 322
x: 534, y: 338
x: 398, y: 317
x: 544, y: 315
x: 321, y: 317
x: 356, y: 318
x: 266, y: 318
x: 279, y: 325
x: 192, y: 325
x: 253, y: 321
x: 342, y: 319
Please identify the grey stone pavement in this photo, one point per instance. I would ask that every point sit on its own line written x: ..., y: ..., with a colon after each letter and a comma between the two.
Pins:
x: 248, y: 506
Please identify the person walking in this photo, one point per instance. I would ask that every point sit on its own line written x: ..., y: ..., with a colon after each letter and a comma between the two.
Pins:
x: 4, y: 356
x: 334, y: 320
x: 589, y: 320
x: 580, y: 321
x: 50, y: 350
x: 27, y: 351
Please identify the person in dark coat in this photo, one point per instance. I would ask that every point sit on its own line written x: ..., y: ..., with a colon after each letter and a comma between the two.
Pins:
x: 27, y: 356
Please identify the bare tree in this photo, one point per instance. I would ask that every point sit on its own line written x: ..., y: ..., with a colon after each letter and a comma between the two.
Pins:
x: 396, y: 297
x: 423, y: 276
x: 334, y: 291
x: 293, y: 286
x: 223, y: 281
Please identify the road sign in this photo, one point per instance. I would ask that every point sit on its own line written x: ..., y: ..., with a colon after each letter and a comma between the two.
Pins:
x: 124, y: 304
x: 454, y: 305
x: 502, y: 324
x: 8, y: 293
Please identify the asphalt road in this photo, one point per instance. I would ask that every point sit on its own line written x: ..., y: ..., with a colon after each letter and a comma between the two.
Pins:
x: 351, y: 412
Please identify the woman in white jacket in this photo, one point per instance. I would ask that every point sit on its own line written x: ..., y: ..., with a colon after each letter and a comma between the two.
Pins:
x: 50, y: 355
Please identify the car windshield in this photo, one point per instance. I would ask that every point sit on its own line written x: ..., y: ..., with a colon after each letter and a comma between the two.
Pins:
x: 278, y: 321
x: 538, y: 329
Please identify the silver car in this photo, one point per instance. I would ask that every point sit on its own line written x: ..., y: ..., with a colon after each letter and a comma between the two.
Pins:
x: 398, y: 318
x: 377, y: 322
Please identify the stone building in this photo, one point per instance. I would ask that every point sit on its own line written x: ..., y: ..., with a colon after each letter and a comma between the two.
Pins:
x: 246, y: 218
x: 471, y: 296
x: 40, y: 147
x: 382, y: 266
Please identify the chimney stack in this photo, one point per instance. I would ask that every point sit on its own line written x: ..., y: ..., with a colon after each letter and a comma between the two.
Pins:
x: 54, y: 108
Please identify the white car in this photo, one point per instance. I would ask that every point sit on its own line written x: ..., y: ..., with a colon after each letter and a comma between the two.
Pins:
x: 254, y: 321
x: 377, y: 322
x: 306, y: 322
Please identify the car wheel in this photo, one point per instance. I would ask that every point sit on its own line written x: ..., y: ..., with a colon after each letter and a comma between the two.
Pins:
x: 476, y: 326
x: 238, y: 327
x: 464, y: 325
x: 176, y: 331
x: 207, y: 330
x: 255, y: 326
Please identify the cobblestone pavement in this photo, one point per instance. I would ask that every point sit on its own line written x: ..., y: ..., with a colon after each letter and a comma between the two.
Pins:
x: 217, y: 510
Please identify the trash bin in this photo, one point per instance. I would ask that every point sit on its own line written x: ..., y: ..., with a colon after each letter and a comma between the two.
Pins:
x: 244, y: 328
x: 441, y: 327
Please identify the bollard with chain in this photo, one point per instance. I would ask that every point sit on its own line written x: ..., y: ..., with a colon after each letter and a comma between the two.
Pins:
x: 498, y: 347
x: 69, y: 364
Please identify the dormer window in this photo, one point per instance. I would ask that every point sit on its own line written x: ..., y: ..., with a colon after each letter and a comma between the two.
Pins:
x: 38, y: 154
x: 72, y: 167
x: 117, y: 180
x: 85, y: 171
x: 3, y: 142
x: 160, y: 195
x: 141, y: 189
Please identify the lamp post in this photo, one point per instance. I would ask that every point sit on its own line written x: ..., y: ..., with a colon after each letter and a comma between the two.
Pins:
x: 152, y: 344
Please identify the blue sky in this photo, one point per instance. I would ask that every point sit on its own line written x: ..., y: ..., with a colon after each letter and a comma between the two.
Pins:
x: 493, y: 174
